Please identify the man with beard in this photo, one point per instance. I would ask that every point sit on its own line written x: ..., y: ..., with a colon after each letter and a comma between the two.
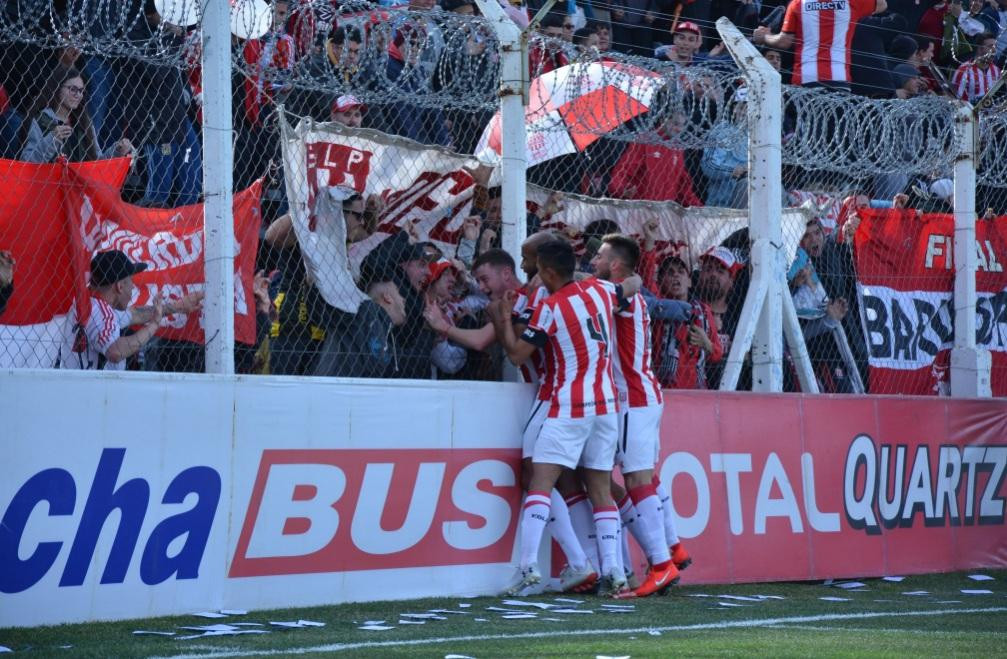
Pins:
x: 718, y: 268
x: 682, y: 349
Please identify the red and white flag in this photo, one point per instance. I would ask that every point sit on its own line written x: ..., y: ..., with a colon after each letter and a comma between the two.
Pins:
x: 53, y: 217
x: 905, y: 274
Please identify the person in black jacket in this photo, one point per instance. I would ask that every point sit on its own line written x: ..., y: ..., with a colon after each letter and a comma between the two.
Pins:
x: 157, y: 103
x: 870, y: 66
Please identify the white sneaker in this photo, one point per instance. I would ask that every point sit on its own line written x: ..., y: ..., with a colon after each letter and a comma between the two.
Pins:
x: 528, y: 579
x: 615, y: 585
x: 577, y: 579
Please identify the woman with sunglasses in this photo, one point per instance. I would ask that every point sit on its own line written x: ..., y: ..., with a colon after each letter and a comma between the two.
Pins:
x: 61, y: 125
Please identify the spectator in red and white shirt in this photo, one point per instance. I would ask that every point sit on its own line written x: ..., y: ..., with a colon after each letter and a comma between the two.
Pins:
x: 575, y: 322
x: 821, y: 32
x: 99, y: 344
x: 640, y: 409
x: 974, y: 79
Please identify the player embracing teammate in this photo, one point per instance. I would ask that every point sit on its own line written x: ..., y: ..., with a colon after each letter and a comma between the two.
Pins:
x: 603, y: 400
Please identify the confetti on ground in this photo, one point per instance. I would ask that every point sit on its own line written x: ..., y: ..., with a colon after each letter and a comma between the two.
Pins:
x: 571, y: 611
x: 247, y: 624
x: 835, y: 599
x: 223, y: 632
x: 654, y: 632
x: 537, y: 605
x: 209, y: 614
x: 980, y: 591
x: 980, y: 577
x: 894, y: 579
x: 375, y: 628
x: 742, y: 598
x: 412, y: 622
x: 848, y: 585
x: 457, y: 613
x: 567, y: 600
x: 298, y: 623
x: 480, y: 619
x: 211, y: 628
x: 234, y: 612
x: 770, y: 597
x: 429, y: 616
x: 728, y: 604
x: 4, y: 648
x: 699, y: 595
x: 464, y: 605
x: 519, y: 616
x: 144, y: 632
x: 916, y: 592
x: 457, y: 656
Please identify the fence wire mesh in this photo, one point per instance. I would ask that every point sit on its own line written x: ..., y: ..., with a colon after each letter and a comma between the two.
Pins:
x: 366, y: 138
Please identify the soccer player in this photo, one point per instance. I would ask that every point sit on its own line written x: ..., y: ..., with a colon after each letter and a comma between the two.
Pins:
x: 575, y: 322
x: 494, y: 271
x: 640, y: 408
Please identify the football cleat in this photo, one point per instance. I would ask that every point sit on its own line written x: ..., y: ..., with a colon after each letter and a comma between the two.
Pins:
x: 658, y: 580
x: 615, y: 586
x: 577, y: 580
x: 680, y: 557
x: 528, y: 578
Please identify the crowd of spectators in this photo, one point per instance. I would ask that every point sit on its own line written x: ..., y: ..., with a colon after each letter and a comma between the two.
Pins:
x: 63, y: 103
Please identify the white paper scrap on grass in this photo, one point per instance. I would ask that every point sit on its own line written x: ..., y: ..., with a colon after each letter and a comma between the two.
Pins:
x: 537, y: 605
x: 618, y: 606
x: 916, y: 592
x: 310, y: 623
x: 981, y: 577
x: 429, y: 616
x: 145, y: 632
x: 571, y: 611
x: 567, y: 600
x: 480, y: 619
x: 835, y: 599
x: 4, y: 648
x: 552, y: 619
x: 770, y: 597
x: 457, y: 613
x: 729, y: 604
x: 894, y: 579
x: 375, y: 628
x: 979, y: 591
x: 210, y: 614
x: 653, y: 632
x: 458, y: 656
x: 247, y: 624
x: 502, y: 610
x: 373, y: 622
x: 847, y: 585
x: 520, y: 616
x: 464, y: 605
x: 211, y: 628
x: 698, y: 595
x: 741, y: 598
x: 605, y: 656
x: 223, y: 632
x: 949, y: 601
x: 412, y: 622
x: 234, y: 612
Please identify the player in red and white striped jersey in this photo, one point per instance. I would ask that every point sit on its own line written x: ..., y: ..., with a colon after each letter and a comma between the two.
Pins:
x: 494, y: 271
x: 640, y: 408
x: 972, y: 80
x: 575, y: 322
x: 821, y: 32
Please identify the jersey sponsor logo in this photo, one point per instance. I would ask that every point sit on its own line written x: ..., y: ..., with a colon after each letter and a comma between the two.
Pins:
x: 173, y: 548
x: 834, y: 5
x: 314, y: 511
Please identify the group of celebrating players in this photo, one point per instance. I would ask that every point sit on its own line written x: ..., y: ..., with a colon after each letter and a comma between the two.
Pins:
x: 586, y: 341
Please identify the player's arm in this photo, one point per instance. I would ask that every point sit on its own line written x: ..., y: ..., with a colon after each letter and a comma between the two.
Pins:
x: 518, y: 346
x: 473, y: 339
x: 665, y: 309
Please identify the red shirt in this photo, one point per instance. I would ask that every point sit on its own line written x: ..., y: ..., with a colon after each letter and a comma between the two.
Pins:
x: 634, y: 378
x: 824, y: 35
x: 575, y: 323
x: 656, y: 171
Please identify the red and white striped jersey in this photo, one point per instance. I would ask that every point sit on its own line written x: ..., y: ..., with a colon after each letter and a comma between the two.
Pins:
x: 824, y: 35
x: 971, y: 82
x: 536, y: 369
x: 103, y: 328
x: 576, y: 324
x: 634, y: 377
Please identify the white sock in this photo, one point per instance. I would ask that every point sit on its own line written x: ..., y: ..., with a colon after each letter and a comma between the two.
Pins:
x: 534, y: 516
x: 669, y: 520
x: 630, y: 519
x: 562, y: 531
x: 650, y: 521
x: 606, y: 520
x: 625, y: 558
x: 582, y: 521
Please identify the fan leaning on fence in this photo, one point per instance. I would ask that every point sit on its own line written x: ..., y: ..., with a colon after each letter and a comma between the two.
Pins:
x: 98, y: 343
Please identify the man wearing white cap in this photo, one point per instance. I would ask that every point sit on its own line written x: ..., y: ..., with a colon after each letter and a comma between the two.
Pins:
x: 348, y: 110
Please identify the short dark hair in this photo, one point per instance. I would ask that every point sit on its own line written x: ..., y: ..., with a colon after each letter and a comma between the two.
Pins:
x: 496, y: 257
x: 558, y: 256
x: 625, y: 249
x: 553, y: 19
x: 600, y: 228
x: 345, y: 33
x: 581, y: 36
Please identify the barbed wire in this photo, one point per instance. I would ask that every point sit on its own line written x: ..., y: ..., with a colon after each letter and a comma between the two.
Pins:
x: 992, y: 156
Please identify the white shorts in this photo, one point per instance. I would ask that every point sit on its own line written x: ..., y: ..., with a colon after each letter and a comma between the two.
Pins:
x: 588, y: 442
x: 639, y: 438
x: 533, y: 427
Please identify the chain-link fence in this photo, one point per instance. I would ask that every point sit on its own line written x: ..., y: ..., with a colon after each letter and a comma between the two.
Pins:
x: 366, y: 193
